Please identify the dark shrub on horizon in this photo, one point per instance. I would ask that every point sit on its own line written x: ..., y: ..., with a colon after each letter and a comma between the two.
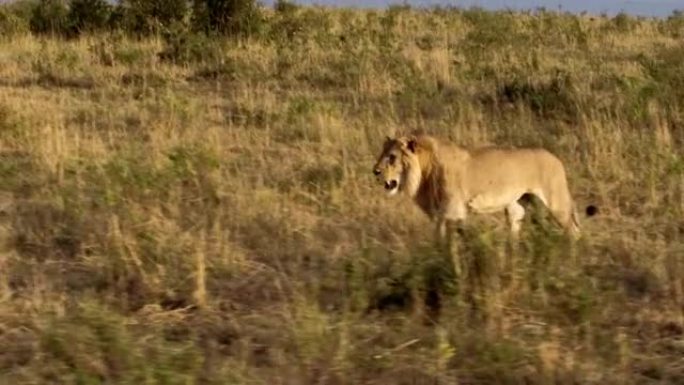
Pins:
x: 227, y: 17
x: 144, y: 17
x: 88, y: 16
x: 50, y: 17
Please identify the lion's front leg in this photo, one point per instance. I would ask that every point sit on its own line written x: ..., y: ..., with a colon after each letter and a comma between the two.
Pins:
x: 453, y: 230
x: 455, y: 220
x: 441, y: 233
x: 444, y: 241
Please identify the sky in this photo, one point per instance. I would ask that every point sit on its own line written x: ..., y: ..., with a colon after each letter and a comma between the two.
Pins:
x: 658, y: 8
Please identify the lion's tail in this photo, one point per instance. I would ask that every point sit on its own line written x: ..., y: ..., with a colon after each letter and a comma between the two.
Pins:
x: 589, y: 211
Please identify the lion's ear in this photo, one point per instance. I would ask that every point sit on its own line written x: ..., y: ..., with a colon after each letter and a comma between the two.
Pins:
x: 412, y: 144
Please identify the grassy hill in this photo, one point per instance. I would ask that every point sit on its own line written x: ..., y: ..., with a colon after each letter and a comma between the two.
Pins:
x: 202, y: 211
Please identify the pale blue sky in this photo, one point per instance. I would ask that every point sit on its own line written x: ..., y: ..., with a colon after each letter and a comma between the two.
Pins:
x: 611, y: 7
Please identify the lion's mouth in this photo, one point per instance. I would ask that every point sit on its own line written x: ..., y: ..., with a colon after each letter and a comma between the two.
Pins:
x: 391, y: 186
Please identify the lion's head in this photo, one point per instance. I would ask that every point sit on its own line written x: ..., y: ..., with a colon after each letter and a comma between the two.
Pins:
x: 398, y: 167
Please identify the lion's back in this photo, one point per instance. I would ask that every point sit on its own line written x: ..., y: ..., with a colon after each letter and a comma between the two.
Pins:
x: 505, y: 169
x: 515, y: 159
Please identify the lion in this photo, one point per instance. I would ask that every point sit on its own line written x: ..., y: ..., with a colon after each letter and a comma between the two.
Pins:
x: 448, y: 182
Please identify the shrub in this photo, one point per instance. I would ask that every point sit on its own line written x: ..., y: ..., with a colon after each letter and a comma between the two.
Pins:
x: 228, y: 17
x: 10, y: 23
x: 149, y: 16
x: 550, y: 100
x: 88, y: 15
x: 183, y: 46
x: 293, y: 25
x: 666, y: 69
x: 50, y: 17
x: 673, y: 25
x: 285, y: 7
x: 491, y: 30
x: 622, y: 23
x: 23, y: 9
x: 286, y: 23
x: 117, y: 18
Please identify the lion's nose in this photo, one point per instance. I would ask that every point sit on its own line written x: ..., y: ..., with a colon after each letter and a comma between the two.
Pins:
x: 376, y: 172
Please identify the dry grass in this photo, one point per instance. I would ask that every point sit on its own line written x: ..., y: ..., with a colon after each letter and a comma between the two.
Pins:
x: 216, y: 221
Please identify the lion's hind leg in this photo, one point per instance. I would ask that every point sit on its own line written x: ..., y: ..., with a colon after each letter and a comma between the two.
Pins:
x: 515, y: 213
x: 561, y: 207
x: 563, y: 212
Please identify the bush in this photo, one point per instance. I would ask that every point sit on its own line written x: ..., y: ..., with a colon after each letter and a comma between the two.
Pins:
x: 22, y: 9
x: 88, y: 15
x: 285, y: 7
x: 673, y: 25
x: 552, y: 99
x: 286, y: 23
x: 11, y: 24
x: 149, y: 16
x: 50, y: 17
x: 295, y: 25
x: 491, y: 30
x: 624, y: 23
x: 183, y: 47
x: 117, y: 18
x: 228, y: 17
x: 666, y: 69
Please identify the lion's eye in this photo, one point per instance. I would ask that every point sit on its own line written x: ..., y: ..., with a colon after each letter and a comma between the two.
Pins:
x: 392, y: 158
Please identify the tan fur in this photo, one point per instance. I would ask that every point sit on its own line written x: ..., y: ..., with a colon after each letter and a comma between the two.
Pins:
x: 448, y: 182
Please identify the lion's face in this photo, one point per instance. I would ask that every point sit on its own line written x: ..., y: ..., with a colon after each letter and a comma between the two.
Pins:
x: 393, y: 164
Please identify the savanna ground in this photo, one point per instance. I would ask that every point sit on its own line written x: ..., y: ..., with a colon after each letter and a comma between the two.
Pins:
x: 181, y: 211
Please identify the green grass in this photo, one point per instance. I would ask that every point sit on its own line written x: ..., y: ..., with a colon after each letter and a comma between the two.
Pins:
x: 202, y: 211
